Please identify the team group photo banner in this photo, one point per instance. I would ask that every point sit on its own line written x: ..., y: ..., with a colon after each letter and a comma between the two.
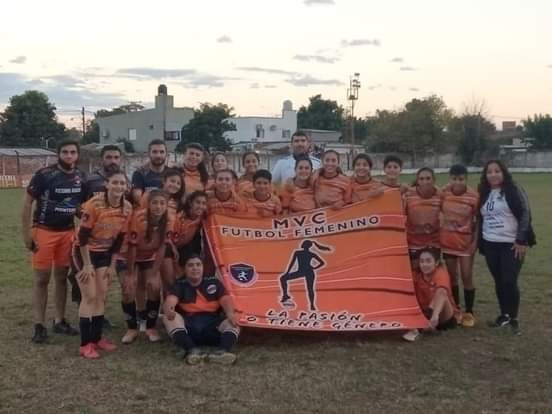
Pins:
x: 324, y: 270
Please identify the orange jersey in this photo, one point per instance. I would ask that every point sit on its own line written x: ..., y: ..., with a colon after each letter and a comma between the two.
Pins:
x: 422, y: 219
x: 458, y: 216
x: 328, y: 191
x: 233, y: 206
x: 192, y: 181
x: 268, y: 208
x: 425, y: 286
x: 146, y: 250
x: 365, y: 191
x: 297, y: 199
x: 245, y: 186
x: 187, y: 228
x: 104, y: 221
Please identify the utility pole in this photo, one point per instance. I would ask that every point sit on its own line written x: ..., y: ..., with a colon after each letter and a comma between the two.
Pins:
x: 352, y: 96
x: 83, y: 123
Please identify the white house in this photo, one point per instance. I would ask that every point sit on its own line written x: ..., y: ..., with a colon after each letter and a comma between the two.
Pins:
x: 259, y: 129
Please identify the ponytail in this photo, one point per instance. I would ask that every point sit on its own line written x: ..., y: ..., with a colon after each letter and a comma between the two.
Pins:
x: 321, y: 247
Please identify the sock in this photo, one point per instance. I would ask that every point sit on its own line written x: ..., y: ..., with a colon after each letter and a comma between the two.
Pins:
x: 96, y: 328
x: 469, y: 298
x: 456, y: 294
x: 84, y: 327
x: 182, y: 339
x: 129, y: 310
x: 152, y: 309
x: 228, y: 340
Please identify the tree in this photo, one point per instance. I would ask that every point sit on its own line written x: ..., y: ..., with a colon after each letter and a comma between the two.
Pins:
x: 208, y: 126
x: 321, y: 114
x: 92, y: 133
x: 539, y: 128
x: 30, y: 121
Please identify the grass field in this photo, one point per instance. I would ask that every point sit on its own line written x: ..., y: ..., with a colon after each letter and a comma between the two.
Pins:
x: 469, y: 371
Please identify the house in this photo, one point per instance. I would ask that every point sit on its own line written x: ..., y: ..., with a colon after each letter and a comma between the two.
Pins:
x: 251, y: 130
x: 140, y: 127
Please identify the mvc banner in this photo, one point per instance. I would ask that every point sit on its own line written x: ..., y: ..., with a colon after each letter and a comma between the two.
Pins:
x: 324, y: 270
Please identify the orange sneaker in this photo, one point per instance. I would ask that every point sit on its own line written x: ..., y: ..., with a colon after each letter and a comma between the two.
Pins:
x: 105, y: 345
x: 88, y: 351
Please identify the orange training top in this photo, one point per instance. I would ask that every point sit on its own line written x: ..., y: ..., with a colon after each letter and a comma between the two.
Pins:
x: 187, y: 228
x: 328, y: 191
x: 425, y: 286
x: 297, y: 199
x: 422, y: 219
x: 458, y: 216
x: 267, y: 208
x: 192, y: 181
x: 146, y: 250
x: 365, y: 191
x: 232, y: 206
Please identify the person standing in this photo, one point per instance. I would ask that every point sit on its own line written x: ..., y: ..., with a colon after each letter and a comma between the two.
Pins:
x: 150, y: 176
x: 56, y: 193
x: 111, y: 161
x: 505, y: 234
x: 285, y: 168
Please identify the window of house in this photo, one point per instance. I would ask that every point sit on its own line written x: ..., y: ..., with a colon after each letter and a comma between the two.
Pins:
x: 259, y: 131
x: 286, y: 133
x: 132, y: 135
x: 172, y: 135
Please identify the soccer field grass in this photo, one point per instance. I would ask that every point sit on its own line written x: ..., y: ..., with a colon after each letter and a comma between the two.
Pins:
x: 476, y: 370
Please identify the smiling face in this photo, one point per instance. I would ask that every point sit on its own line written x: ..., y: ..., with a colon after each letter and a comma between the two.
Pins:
x: 495, y: 175
x: 392, y: 170
x: 116, y: 186
x: 193, y: 269
x: 427, y: 263
x: 251, y: 164
x: 224, y: 182
x: 425, y: 179
x: 198, y: 206
x: 303, y: 170
x: 262, y: 188
x: 157, y: 206
x: 172, y: 184
x: 192, y: 158
x: 330, y: 163
x: 362, y: 168
x: 219, y: 162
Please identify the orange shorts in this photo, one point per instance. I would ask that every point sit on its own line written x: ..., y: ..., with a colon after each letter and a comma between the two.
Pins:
x: 52, y: 248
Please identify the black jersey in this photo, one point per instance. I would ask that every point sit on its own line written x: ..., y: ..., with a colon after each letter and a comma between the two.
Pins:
x: 94, y: 185
x: 145, y: 179
x: 58, y: 195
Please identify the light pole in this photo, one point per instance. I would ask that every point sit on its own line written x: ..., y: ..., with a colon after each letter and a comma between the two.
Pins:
x: 352, y: 96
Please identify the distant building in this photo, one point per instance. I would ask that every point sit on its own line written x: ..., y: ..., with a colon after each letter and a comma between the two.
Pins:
x: 322, y: 136
x: 140, y: 127
x: 260, y: 130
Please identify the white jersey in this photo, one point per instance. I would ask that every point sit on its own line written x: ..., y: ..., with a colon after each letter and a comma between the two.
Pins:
x: 285, y: 169
x: 499, y: 223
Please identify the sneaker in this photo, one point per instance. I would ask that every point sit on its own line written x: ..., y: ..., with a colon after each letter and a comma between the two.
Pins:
x: 288, y: 303
x: 88, y: 351
x: 222, y: 357
x: 40, y: 334
x: 130, y: 336
x: 105, y: 345
x: 64, y: 328
x: 412, y: 335
x: 194, y: 357
x: 501, y: 321
x: 468, y: 320
x: 153, y: 335
x: 514, y: 325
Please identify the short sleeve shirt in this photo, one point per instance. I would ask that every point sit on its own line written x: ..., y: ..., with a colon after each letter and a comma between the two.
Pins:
x: 204, y: 298
x: 93, y: 185
x: 146, y: 179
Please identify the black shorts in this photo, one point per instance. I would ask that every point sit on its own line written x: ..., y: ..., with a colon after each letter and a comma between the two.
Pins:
x: 121, y: 266
x: 203, y: 328
x: 146, y: 265
x: 443, y: 326
x: 98, y: 259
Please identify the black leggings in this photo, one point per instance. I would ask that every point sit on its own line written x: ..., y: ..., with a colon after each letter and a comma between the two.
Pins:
x: 504, y: 268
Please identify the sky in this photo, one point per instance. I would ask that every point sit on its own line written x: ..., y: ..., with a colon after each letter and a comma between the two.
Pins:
x: 253, y: 55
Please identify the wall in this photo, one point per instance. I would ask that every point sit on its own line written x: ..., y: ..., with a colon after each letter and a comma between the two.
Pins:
x: 246, y: 128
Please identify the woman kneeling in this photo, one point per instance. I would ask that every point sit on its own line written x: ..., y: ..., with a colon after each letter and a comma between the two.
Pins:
x: 199, y: 312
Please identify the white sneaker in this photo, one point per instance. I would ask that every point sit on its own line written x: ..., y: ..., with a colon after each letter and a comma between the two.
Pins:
x: 412, y: 335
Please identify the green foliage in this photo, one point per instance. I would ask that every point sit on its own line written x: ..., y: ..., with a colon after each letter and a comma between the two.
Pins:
x: 321, y: 114
x: 29, y: 120
x: 208, y: 126
x: 540, y: 129
x: 471, y: 132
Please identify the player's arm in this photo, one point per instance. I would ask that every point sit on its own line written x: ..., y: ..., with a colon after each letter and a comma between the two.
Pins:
x: 26, y: 221
x: 228, y: 307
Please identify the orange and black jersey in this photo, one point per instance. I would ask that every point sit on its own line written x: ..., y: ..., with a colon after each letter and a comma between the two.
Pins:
x: 58, y: 195
x: 186, y: 229
x: 147, y: 249
x: 192, y: 181
x: 101, y: 224
x: 204, y: 298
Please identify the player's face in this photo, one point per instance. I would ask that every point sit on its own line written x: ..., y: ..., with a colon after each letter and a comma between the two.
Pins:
x: 158, y: 206
x: 158, y: 155
x: 199, y: 206
x: 362, y: 168
x: 111, y: 160
x: 330, y: 162
x: 172, y: 184
x: 262, y: 187
x: 116, y: 185
x: 224, y: 182
x: 68, y: 156
x: 392, y: 170
x: 427, y: 263
x: 194, y: 271
x: 192, y: 157
x: 425, y: 179
x: 495, y: 176
x: 251, y: 164
x: 303, y: 170
x: 457, y: 183
x: 220, y: 163
x: 300, y: 144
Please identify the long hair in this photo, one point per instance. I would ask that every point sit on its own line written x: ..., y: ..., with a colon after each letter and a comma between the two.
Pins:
x: 247, y: 153
x: 421, y: 170
x: 171, y: 172
x: 484, y: 188
x: 364, y: 157
x: 201, y: 167
x: 107, y: 178
x: 307, y: 244
x: 162, y: 225
x: 187, y: 207
x: 214, y: 157
x: 339, y: 171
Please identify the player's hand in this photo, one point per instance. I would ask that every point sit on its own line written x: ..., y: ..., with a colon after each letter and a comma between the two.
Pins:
x: 111, y: 272
x: 520, y: 250
x: 170, y: 314
x: 86, y: 273
x: 338, y: 204
x: 29, y: 243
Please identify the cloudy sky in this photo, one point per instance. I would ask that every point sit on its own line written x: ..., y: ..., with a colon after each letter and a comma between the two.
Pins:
x: 254, y: 54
